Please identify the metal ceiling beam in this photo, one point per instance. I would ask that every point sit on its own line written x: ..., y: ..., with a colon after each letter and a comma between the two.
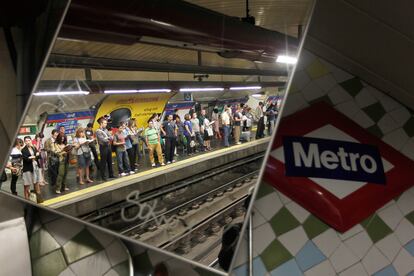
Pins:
x: 69, y: 61
x: 99, y: 86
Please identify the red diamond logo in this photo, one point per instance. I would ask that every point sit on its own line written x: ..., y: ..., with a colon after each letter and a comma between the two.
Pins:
x: 334, y: 168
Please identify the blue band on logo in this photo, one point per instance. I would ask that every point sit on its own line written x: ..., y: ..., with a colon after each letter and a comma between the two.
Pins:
x: 324, y: 158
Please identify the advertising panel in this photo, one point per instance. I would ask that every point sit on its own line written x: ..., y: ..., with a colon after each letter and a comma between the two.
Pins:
x: 138, y: 106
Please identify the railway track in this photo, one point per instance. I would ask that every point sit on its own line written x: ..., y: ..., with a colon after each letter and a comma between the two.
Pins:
x: 187, y: 217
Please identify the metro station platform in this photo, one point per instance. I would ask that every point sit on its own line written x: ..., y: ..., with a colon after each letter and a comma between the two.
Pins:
x: 101, y: 194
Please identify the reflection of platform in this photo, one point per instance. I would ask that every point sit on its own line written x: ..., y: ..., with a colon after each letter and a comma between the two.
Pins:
x: 95, y: 197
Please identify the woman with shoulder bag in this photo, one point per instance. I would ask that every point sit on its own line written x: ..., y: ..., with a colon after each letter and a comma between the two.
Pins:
x: 83, y: 155
x: 31, y: 174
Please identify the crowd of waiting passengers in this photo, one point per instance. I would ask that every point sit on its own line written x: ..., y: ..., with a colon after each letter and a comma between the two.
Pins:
x: 33, y: 159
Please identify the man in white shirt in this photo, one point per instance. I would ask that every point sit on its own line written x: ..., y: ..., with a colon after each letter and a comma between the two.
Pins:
x: 225, y: 120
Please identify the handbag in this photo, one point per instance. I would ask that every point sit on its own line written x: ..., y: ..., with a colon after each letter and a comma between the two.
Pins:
x: 3, y: 177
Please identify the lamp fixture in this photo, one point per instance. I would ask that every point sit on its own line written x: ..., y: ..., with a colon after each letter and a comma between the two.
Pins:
x: 201, y: 89
x: 246, y: 88
x: 286, y: 59
x: 136, y: 91
x: 257, y: 95
x: 60, y: 93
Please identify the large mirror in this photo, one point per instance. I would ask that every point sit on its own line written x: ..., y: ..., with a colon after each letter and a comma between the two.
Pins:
x: 152, y: 118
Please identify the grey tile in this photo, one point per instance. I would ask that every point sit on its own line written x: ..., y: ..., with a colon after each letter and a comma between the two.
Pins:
x: 42, y: 243
x: 82, y: 245
x: 49, y: 265
x: 94, y: 265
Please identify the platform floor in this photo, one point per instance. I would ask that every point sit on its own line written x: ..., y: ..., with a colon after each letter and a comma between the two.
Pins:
x: 144, y: 168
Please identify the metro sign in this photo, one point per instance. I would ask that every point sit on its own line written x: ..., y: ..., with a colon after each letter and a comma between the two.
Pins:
x: 334, y: 168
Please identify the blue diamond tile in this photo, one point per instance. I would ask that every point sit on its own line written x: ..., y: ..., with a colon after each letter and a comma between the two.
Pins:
x: 410, y: 247
x: 387, y: 271
x: 289, y: 268
x: 240, y: 271
x: 258, y: 267
x: 309, y: 256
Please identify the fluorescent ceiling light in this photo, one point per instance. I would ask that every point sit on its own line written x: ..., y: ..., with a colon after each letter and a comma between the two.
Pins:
x: 201, y: 89
x: 246, y: 88
x: 286, y: 59
x: 59, y: 93
x: 154, y: 90
x: 136, y: 91
x: 120, y: 91
x: 257, y: 95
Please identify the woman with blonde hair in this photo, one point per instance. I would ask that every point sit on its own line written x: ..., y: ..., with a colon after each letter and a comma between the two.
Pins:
x: 83, y: 154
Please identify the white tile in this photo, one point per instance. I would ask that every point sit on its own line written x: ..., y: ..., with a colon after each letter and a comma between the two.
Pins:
x: 374, y: 261
x: 262, y: 237
x: 94, y: 265
x: 111, y: 272
x: 327, y: 242
x: 404, y: 262
x: 388, y: 204
x: 325, y: 268
x: 349, y: 108
x: 389, y: 246
x: 305, y: 59
x: 343, y: 258
x: 387, y: 124
x: 364, y: 98
x: 339, y: 95
x: 400, y: 115
x: 351, y: 232
x: 396, y: 139
x: 116, y: 253
x: 294, y: 103
x: 285, y: 200
x: 258, y: 219
x: 362, y: 119
x: 63, y: 229
x: 391, y: 216
x: 325, y: 82
x: 408, y: 149
x: 406, y: 203
x: 294, y: 240
x: 242, y: 253
x: 297, y: 211
x: 359, y: 244
x: 312, y: 92
x: 355, y: 270
x: 301, y: 79
x: 340, y: 75
x: 67, y: 272
x: 268, y: 205
x: 388, y: 103
x: 404, y: 231
x: 103, y: 238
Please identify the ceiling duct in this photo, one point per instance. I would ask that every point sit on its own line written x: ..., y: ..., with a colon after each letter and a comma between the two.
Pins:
x: 125, y: 22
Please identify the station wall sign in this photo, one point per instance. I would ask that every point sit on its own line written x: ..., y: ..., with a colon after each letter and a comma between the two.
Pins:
x: 334, y: 168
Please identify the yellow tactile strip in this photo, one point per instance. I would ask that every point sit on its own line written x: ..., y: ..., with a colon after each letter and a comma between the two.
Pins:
x: 142, y: 174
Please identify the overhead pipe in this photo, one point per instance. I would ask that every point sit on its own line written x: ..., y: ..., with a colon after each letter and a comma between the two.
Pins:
x: 99, y: 86
x: 69, y: 61
x: 125, y: 22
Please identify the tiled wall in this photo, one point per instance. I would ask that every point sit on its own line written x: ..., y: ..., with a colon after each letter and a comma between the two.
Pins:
x: 288, y: 240
x: 61, y: 246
